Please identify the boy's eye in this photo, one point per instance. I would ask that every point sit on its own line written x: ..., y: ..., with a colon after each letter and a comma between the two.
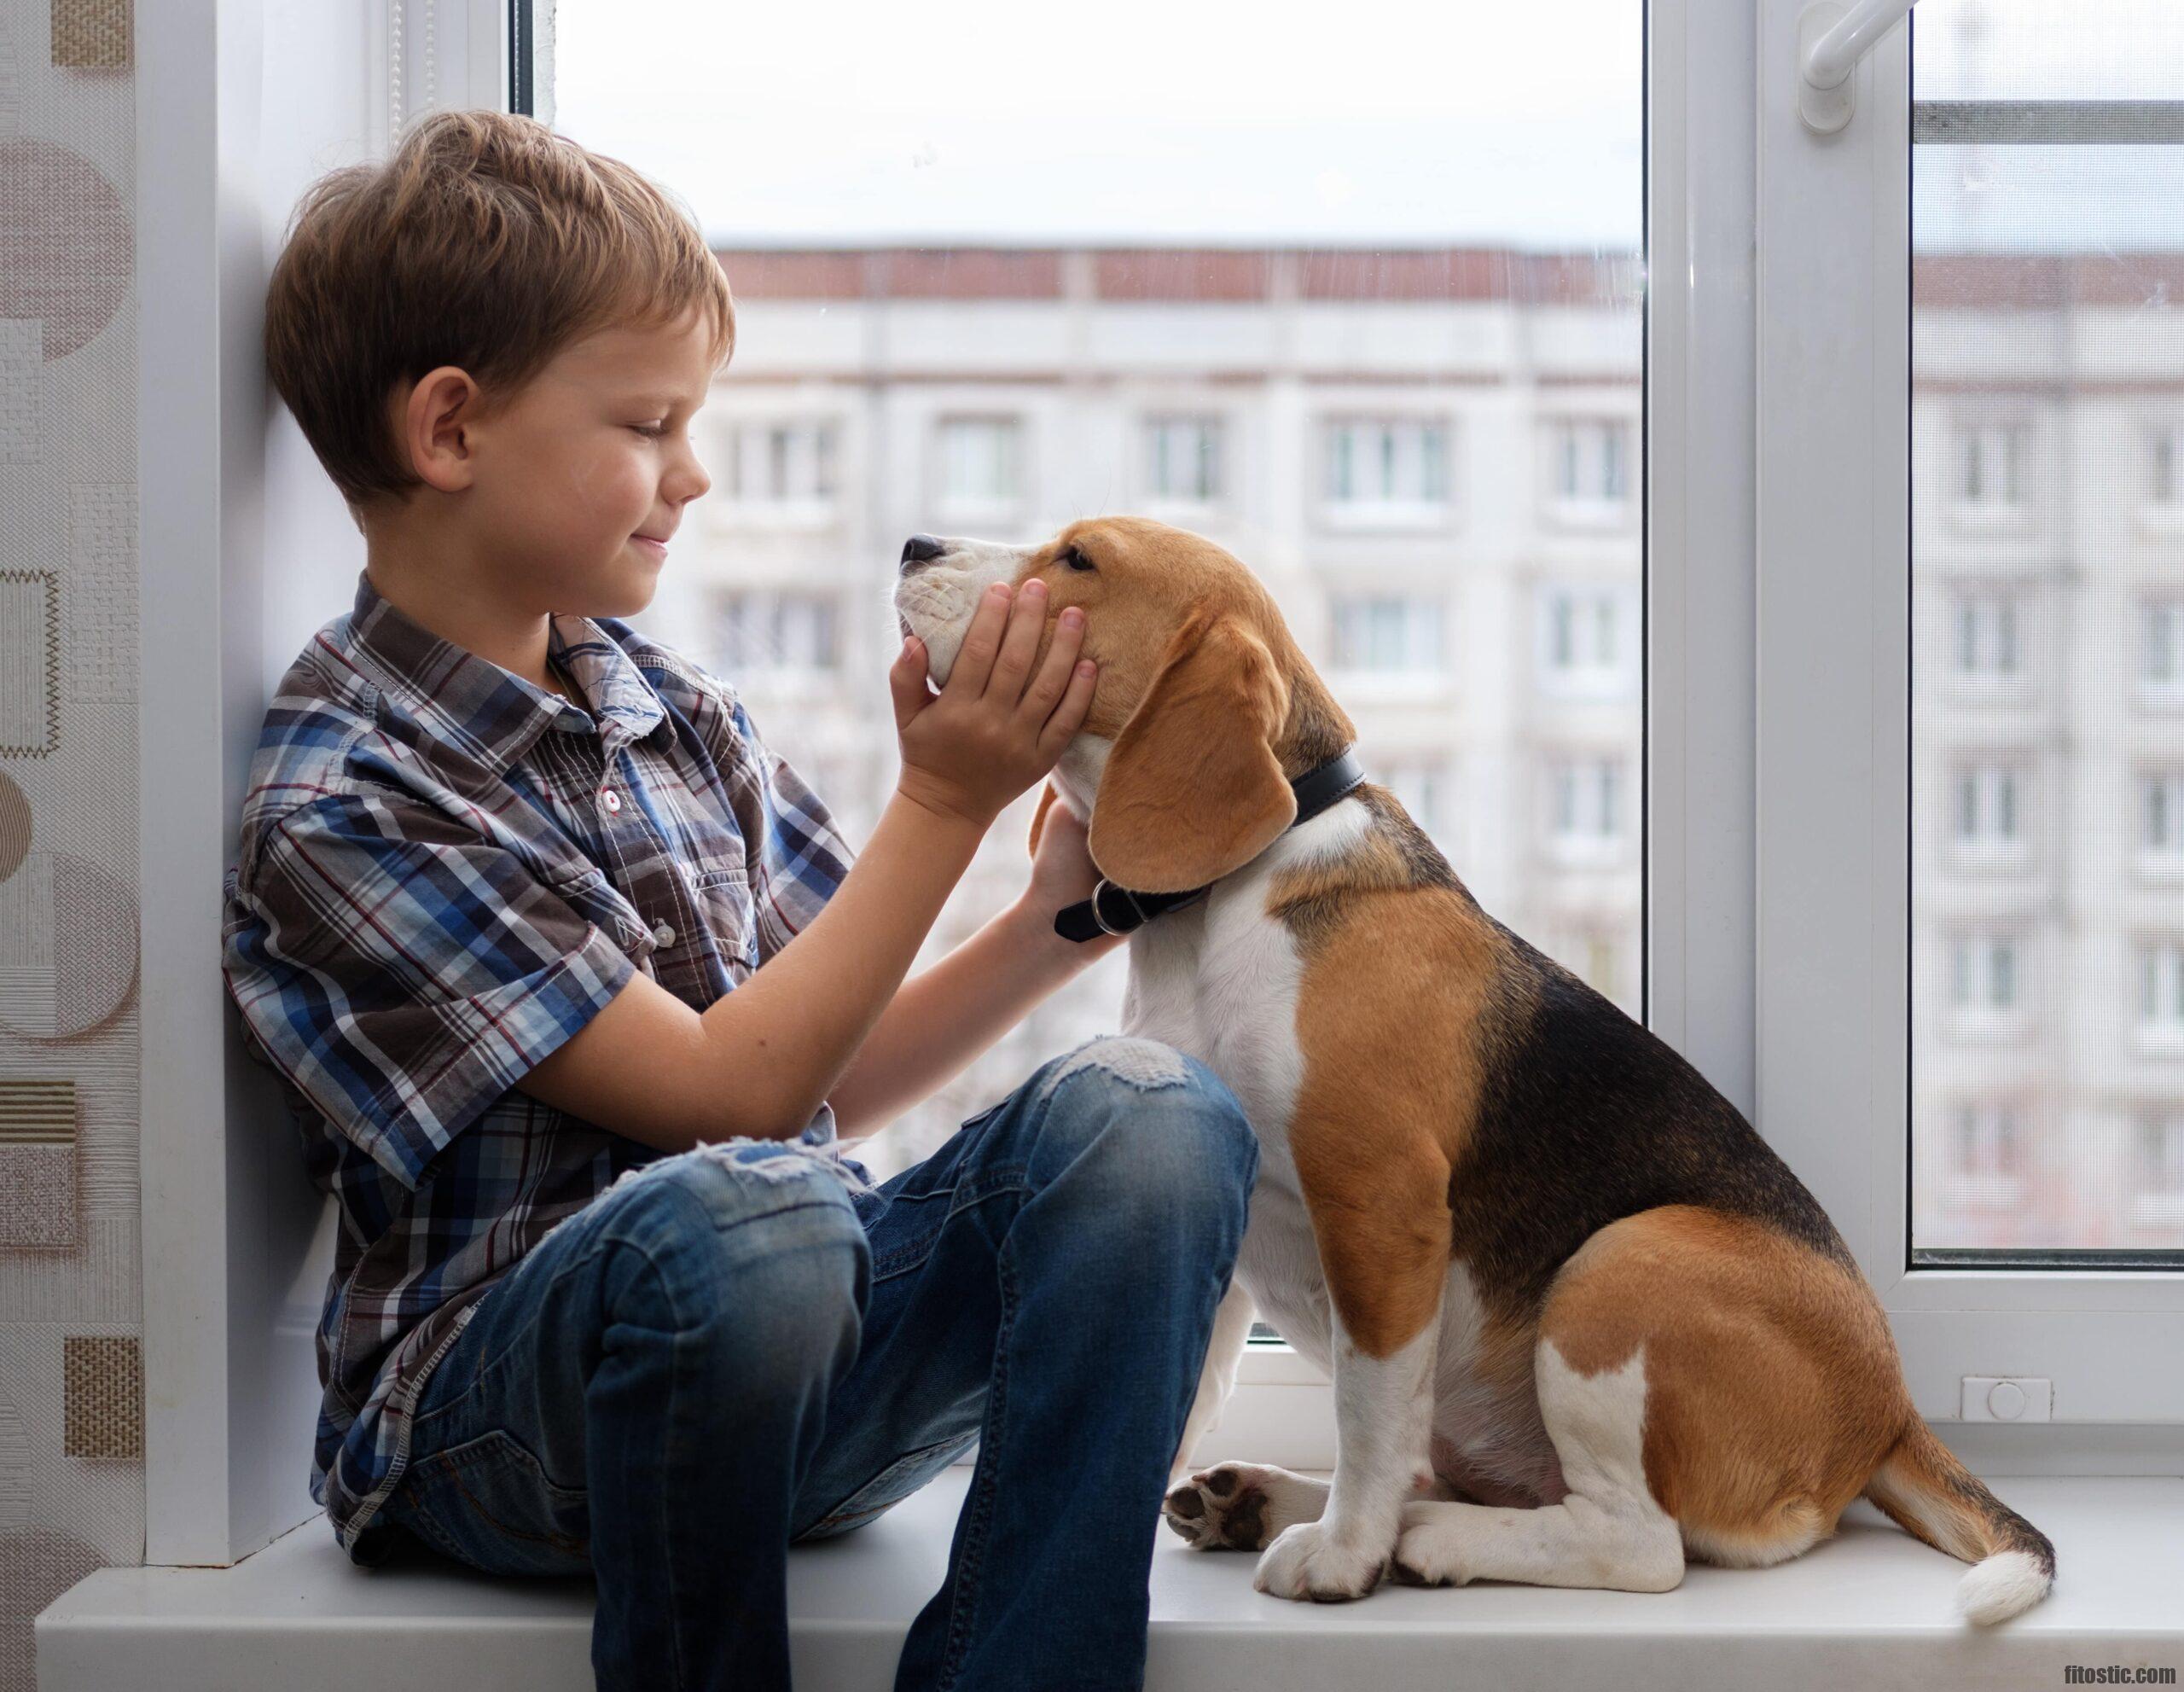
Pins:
x: 654, y: 430
x: 1076, y: 561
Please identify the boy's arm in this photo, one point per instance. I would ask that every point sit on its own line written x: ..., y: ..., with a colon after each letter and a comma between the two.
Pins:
x: 945, y: 1016
x: 759, y: 1061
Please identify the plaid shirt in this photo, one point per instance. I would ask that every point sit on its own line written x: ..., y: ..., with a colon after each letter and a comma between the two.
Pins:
x: 443, y: 873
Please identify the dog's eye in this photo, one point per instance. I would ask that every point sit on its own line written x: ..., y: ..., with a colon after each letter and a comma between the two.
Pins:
x: 1076, y: 560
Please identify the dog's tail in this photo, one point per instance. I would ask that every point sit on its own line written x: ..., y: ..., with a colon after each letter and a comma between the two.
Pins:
x: 1922, y: 1487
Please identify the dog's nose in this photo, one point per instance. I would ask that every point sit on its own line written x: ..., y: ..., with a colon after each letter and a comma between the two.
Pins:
x: 921, y: 549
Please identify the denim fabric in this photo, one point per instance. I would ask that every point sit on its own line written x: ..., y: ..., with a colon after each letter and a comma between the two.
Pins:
x: 733, y: 1348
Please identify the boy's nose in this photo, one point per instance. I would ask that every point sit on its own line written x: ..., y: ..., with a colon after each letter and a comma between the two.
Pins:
x: 921, y: 549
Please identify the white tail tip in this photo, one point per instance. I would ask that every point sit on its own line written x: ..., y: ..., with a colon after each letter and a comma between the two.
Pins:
x: 2000, y: 1586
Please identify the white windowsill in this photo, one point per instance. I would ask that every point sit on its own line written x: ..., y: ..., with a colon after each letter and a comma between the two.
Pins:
x: 1871, y: 1607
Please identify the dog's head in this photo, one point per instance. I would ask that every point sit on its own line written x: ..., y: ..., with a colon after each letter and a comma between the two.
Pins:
x: 1205, y: 707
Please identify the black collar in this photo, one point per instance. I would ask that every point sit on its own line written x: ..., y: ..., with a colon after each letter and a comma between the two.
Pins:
x: 1117, y: 910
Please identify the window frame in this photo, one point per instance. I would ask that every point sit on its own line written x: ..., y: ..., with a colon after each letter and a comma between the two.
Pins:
x: 1834, y: 823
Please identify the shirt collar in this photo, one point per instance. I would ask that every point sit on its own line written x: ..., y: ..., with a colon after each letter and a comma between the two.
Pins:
x: 493, y: 712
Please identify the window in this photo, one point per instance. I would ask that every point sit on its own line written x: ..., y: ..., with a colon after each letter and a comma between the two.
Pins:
x: 1983, y: 629
x: 1387, y: 469
x: 981, y: 466
x: 2161, y: 992
x: 1303, y: 374
x: 1982, y: 976
x: 1990, y: 467
x: 1388, y: 634
x: 2161, y: 819
x: 1987, y: 817
x: 2161, y: 648
x: 1587, y: 641
x: 2157, y: 1176
x: 1986, y: 1153
x: 1585, y: 800
x: 2165, y: 487
x: 1588, y: 471
x: 764, y: 633
x: 1183, y: 460
x: 779, y: 468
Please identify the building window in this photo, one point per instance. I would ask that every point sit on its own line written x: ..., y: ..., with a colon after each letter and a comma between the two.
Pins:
x: 1588, y: 468
x: 1585, y: 800
x: 2164, y: 485
x: 2159, y: 1175
x: 1986, y: 644
x: 981, y: 464
x: 1983, y: 975
x: 763, y: 632
x: 1386, y: 465
x: 1387, y: 634
x: 1985, y: 815
x: 1985, y: 1142
x: 788, y: 463
x: 2161, y: 991
x: 2161, y: 648
x: 1588, y: 639
x: 1183, y: 460
x: 1990, y: 466
x: 2161, y: 815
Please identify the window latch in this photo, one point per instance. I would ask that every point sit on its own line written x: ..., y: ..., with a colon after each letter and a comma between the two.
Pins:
x: 1831, y: 40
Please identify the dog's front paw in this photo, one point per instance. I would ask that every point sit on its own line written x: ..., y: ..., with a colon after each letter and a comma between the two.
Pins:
x: 1429, y: 1550
x: 1221, y: 1508
x: 1309, y: 1561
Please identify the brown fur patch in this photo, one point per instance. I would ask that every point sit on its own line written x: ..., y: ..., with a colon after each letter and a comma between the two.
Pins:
x: 1772, y: 1388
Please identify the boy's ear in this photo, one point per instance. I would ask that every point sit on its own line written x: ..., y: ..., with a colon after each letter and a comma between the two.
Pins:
x: 435, y: 422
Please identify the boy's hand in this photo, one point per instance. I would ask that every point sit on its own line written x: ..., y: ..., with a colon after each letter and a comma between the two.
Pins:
x: 1062, y: 873
x: 999, y: 723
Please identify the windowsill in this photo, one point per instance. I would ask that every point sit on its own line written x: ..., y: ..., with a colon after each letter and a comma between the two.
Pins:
x: 1871, y: 1606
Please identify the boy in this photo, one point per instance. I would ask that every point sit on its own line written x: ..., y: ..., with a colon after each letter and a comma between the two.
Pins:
x: 571, y: 982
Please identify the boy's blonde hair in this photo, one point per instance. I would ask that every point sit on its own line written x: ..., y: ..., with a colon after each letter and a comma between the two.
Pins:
x: 488, y: 242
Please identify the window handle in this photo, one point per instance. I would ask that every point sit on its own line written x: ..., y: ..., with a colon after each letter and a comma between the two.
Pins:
x: 1831, y: 40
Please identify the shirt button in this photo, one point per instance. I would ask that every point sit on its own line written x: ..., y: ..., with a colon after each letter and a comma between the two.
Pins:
x: 665, y: 935
x: 610, y: 799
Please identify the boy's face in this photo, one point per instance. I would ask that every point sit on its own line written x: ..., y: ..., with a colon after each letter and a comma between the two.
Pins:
x: 580, y: 477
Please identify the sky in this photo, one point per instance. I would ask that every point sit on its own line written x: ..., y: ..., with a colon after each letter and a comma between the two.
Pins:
x: 1139, y: 119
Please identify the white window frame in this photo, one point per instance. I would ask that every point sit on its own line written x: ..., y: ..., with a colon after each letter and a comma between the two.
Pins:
x: 1833, y: 818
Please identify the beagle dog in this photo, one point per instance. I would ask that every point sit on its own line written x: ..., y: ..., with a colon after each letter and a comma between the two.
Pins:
x: 1583, y: 1325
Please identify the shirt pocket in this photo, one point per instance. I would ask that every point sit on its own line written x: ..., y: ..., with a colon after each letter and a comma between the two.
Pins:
x: 719, y: 884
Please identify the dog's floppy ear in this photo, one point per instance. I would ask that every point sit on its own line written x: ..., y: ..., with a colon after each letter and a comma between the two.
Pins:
x: 1047, y: 797
x: 1191, y: 788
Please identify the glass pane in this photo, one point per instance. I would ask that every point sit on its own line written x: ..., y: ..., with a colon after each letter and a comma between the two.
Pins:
x: 1324, y: 294
x: 2047, y: 583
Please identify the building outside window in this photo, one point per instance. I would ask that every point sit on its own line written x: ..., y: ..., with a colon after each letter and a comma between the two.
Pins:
x: 1588, y: 639
x: 780, y: 466
x: 2158, y: 1174
x: 1183, y: 460
x: 1585, y: 808
x: 1985, y: 1142
x: 1984, y: 644
x: 2161, y: 648
x: 766, y: 632
x: 1396, y: 635
x: 981, y: 466
x: 1992, y: 465
x: 1984, y: 975
x: 2161, y: 991
x: 1384, y: 469
x: 1986, y: 817
x: 2164, y: 485
x: 2161, y: 818
x: 1589, y: 470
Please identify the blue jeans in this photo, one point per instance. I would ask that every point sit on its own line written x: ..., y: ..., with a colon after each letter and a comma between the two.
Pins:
x: 730, y: 1349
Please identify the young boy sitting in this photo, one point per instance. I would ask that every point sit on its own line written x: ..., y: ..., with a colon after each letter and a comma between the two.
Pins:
x: 571, y: 983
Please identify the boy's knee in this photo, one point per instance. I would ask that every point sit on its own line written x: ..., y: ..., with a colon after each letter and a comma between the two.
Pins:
x: 1158, y: 1120
x: 731, y: 1232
